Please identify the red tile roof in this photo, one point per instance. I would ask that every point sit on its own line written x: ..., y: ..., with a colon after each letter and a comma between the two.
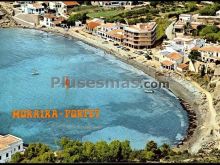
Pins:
x: 118, y: 33
x: 71, y: 3
x: 174, y: 56
x: 210, y: 49
x: 6, y: 140
x: 37, y: 5
x: 167, y: 63
x: 183, y: 66
x: 92, y: 25
x: 50, y: 16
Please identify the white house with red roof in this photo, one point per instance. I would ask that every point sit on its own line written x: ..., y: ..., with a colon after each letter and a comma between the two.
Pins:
x: 172, y: 60
x: 50, y: 20
x: 9, y: 145
x: 103, y: 29
x: 91, y: 25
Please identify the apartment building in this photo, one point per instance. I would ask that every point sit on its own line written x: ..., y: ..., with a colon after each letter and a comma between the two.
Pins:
x: 141, y: 35
x: 9, y: 145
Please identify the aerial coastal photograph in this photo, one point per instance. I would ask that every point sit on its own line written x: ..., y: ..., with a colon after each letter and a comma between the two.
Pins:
x: 110, y: 82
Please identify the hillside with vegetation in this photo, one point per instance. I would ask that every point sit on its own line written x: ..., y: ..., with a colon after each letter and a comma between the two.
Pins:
x: 116, y: 151
x: 161, y: 12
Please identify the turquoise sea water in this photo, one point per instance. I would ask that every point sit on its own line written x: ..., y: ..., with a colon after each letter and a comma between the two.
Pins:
x: 125, y: 113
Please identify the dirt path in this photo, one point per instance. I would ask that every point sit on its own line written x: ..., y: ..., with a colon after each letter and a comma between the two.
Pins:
x: 210, y: 123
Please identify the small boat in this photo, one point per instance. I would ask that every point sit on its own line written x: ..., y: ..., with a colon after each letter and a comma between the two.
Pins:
x: 148, y: 91
x: 34, y: 72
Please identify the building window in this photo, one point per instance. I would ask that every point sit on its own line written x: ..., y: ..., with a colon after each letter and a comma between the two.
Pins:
x: 0, y: 157
x: 14, y: 149
x: 6, y: 155
x: 19, y: 147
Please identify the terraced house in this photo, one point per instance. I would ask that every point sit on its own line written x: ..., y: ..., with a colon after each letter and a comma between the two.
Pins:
x: 141, y: 35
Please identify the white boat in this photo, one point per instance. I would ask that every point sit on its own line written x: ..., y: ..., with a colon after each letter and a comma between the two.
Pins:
x: 35, y: 72
x: 148, y: 91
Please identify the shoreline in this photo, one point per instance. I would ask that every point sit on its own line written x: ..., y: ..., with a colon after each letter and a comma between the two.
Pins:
x: 181, y: 92
x: 186, y: 103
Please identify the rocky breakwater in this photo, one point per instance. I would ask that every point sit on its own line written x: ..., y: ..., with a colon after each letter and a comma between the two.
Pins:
x: 6, y: 13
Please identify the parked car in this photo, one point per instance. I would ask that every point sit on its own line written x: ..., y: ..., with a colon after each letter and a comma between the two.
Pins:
x: 116, y: 44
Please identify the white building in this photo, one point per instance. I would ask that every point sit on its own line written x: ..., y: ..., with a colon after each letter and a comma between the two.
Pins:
x: 210, y: 53
x: 35, y: 8
x: 185, y: 18
x: 50, y: 20
x: 103, y: 29
x: 9, y: 145
x: 111, y: 3
x: 218, y: 13
x: 78, y: 23
x: 62, y: 7
x: 172, y: 60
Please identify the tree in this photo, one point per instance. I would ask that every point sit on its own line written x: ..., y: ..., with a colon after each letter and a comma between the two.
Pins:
x: 126, y: 150
x: 202, y: 71
x: 17, y: 157
x: 77, y: 17
x: 63, y: 156
x: 47, y: 157
x: 165, y: 150
x: 115, y: 151
x: 191, y: 6
x: 102, y: 149
x: 154, y: 3
x: 212, y: 37
x: 89, y: 151
x: 87, y: 2
x: 209, y: 29
x: 208, y: 10
x: 35, y: 150
x: 151, y: 146
x: 194, y: 55
x: 63, y: 142
x: 150, y: 156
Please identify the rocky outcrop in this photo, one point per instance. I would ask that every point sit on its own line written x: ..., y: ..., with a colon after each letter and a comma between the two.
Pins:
x: 6, y: 20
x: 216, y: 96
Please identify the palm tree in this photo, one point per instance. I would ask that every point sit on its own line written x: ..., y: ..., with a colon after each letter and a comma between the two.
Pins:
x: 187, y: 28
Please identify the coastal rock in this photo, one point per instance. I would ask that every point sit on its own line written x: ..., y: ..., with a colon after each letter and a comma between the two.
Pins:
x: 7, y: 20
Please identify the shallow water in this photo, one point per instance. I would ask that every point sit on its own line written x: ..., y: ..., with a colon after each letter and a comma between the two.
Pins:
x: 125, y: 113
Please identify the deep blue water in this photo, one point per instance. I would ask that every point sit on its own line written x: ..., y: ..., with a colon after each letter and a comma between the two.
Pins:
x: 125, y: 113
